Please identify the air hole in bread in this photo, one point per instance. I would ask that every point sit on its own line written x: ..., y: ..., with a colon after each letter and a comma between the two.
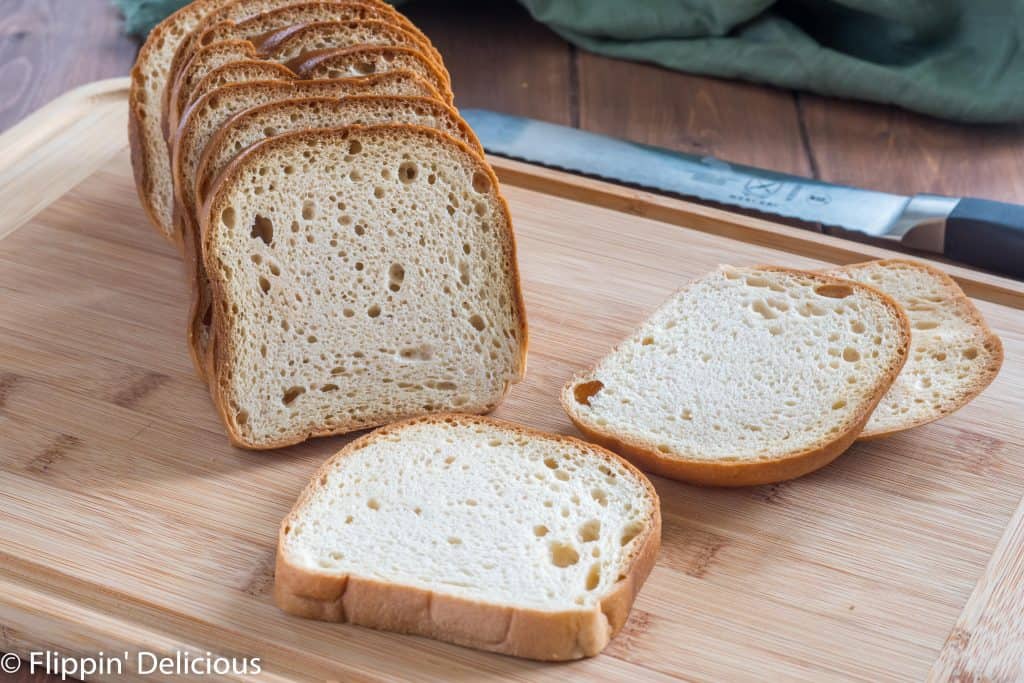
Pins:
x: 590, y: 530
x: 481, y: 183
x: 808, y: 309
x: 329, y: 387
x: 396, y: 275
x: 925, y: 325
x: 263, y: 228
x: 241, y: 417
x: 408, y: 171
x: 355, y: 147
x: 851, y: 355
x: 540, y: 531
x: 373, y: 504
x: 373, y: 311
x: 857, y: 326
x: 477, y: 322
x: 347, y: 312
x: 551, y: 463
x: 264, y: 284
x: 378, y: 192
x: 563, y: 555
x: 364, y: 68
x: 561, y: 475
x: 593, y: 576
x: 584, y: 392
x: 839, y: 405
x: 309, y: 210
x: 228, y: 217
x: 971, y: 353
x: 647, y: 341
x: 629, y: 532
x: 291, y: 394
x: 775, y: 330
x: 761, y: 308
x: 269, y: 132
x: 600, y: 496
x: 834, y: 291
x: 940, y: 356
x: 421, y: 352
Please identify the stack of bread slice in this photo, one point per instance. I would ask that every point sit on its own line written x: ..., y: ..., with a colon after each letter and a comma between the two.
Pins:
x: 351, y: 259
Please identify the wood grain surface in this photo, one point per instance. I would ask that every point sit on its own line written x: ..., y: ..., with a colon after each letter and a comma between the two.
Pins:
x: 500, y: 59
x: 111, y: 436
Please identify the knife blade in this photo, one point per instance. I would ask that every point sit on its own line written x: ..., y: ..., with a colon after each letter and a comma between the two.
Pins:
x: 978, y: 232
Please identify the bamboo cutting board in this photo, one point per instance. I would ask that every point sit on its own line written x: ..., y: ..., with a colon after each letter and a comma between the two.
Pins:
x: 128, y: 523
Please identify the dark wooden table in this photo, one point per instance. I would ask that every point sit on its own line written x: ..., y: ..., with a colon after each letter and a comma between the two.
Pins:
x: 500, y: 59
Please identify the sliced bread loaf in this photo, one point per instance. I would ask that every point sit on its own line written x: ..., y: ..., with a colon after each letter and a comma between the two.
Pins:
x: 253, y: 125
x: 953, y: 353
x: 746, y: 376
x: 259, y: 26
x: 359, y: 276
x: 291, y: 44
x: 149, y: 77
x: 235, y: 11
x: 362, y: 61
x: 475, y: 532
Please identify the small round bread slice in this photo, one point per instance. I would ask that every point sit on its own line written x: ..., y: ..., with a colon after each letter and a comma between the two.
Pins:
x: 253, y: 125
x: 359, y: 276
x: 475, y: 532
x: 953, y: 357
x: 746, y: 376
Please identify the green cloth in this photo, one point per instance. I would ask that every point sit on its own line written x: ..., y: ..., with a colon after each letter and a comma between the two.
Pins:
x: 956, y: 59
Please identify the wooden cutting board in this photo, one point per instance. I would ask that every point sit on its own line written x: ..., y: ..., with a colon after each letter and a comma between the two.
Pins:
x: 128, y: 523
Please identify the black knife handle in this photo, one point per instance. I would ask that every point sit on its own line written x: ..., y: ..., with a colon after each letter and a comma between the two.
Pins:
x: 987, y: 234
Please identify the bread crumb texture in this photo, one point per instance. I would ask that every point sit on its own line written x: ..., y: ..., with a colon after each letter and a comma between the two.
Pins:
x: 745, y: 365
x: 953, y: 354
x: 362, y: 275
x: 476, y: 509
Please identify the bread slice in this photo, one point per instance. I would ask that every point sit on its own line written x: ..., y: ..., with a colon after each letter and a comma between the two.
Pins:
x: 256, y: 124
x: 234, y: 11
x: 293, y: 41
x: 243, y: 71
x: 746, y: 376
x: 253, y: 125
x: 475, y: 532
x: 953, y: 357
x: 256, y: 28
x: 359, y: 276
x: 149, y: 154
x: 362, y: 61
x: 257, y: 70
x: 281, y: 48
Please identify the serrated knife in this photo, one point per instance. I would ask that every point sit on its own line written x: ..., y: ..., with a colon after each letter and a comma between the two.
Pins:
x: 978, y: 232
